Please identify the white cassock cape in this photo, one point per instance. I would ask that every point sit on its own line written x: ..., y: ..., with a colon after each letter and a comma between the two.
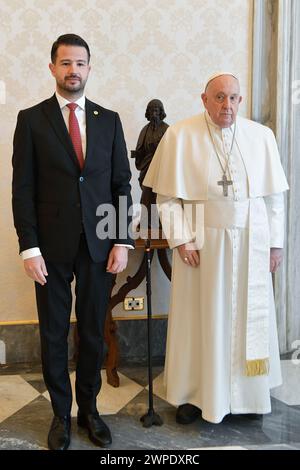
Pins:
x: 222, y: 314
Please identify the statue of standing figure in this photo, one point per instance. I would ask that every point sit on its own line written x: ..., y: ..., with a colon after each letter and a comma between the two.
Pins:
x: 147, y: 143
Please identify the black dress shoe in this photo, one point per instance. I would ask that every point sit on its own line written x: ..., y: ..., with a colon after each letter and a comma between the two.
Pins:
x: 187, y: 413
x: 59, y: 434
x: 253, y: 416
x: 99, y: 432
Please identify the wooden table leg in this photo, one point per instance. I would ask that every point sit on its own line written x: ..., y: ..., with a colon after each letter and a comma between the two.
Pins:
x: 110, y: 334
x: 113, y: 354
x: 76, y: 343
x: 164, y: 262
x: 110, y: 337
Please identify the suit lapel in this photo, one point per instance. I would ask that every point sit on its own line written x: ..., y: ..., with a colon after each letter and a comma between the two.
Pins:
x: 92, y: 114
x: 54, y: 114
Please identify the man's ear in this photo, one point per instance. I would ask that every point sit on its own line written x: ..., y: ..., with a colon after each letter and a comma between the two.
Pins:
x: 51, y: 67
x: 240, y: 99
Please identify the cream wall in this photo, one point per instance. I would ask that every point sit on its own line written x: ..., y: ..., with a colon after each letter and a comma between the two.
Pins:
x: 141, y: 49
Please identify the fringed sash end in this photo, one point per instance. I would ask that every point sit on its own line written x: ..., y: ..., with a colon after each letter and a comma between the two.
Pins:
x: 257, y: 367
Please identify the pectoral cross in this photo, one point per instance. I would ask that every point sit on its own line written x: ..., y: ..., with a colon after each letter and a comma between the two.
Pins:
x: 225, y: 183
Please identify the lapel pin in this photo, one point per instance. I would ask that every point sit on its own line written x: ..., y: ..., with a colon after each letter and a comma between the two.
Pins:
x: 96, y: 113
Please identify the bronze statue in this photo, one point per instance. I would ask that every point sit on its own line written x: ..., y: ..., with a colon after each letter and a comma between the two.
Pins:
x: 147, y: 143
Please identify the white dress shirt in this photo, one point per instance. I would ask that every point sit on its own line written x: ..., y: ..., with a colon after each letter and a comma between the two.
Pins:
x: 80, y: 114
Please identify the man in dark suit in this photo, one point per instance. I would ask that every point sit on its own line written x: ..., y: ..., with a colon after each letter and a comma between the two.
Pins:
x: 69, y: 158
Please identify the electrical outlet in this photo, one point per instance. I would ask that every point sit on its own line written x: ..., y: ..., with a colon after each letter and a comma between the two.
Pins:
x: 128, y: 303
x: 138, y: 303
x: 133, y: 303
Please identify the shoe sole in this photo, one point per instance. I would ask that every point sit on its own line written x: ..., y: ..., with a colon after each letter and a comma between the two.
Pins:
x: 187, y: 420
x: 66, y: 446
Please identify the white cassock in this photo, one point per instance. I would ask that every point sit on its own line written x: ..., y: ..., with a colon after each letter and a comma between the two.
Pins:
x: 222, y: 313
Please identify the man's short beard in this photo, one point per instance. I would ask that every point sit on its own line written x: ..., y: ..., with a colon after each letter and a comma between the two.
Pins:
x: 63, y: 85
x: 70, y: 88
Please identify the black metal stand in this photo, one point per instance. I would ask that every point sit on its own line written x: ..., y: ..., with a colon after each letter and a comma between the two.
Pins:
x: 151, y: 418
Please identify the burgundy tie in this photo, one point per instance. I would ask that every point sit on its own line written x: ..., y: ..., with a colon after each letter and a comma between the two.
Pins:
x: 74, y: 132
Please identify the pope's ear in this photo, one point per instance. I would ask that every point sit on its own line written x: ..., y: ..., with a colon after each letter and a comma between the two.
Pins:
x: 204, y: 98
x: 240, y: 99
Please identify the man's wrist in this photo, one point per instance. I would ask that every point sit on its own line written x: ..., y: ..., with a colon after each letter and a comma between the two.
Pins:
x: 30, y: 253
x: 129, y: 247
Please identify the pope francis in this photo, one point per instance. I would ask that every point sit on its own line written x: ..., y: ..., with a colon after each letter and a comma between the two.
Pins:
x: 220, y: 189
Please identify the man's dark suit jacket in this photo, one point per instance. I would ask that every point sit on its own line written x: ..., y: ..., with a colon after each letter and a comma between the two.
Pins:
x: 53, y: 200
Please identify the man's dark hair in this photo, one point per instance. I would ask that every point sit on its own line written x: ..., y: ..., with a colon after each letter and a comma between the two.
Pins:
x: 68, y: 40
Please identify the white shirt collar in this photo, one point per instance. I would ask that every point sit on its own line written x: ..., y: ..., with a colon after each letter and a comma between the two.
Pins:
x: 63, y: 102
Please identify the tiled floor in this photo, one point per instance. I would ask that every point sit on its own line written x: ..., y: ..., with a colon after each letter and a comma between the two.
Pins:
x: 25, y: 415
